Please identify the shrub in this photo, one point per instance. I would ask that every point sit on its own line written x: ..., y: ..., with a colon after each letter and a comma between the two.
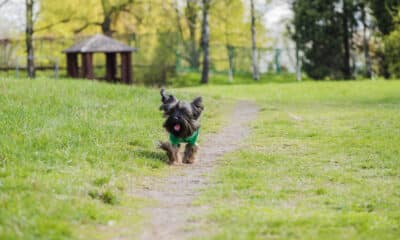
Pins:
x: 392, y: 49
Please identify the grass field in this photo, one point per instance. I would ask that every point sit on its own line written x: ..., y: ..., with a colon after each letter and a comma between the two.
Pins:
x: 322, y: 163
x: 70, y: 150
x: 191, y: 79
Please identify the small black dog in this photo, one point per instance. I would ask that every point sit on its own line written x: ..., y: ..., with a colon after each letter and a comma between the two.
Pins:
x: 182, y: 123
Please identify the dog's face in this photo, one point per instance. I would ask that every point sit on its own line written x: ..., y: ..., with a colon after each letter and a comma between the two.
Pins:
x: 182, y: 118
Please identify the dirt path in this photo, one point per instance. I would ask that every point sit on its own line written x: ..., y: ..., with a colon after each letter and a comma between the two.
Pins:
x: 171, y: 219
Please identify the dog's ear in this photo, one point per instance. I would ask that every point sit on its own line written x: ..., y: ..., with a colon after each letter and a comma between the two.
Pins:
x: 167, y: 101
x: 197, y: 107
x: 167, y: 98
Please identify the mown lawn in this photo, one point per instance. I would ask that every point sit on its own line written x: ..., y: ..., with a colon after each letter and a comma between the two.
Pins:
x: 70, y: 152
x: 323, y: 163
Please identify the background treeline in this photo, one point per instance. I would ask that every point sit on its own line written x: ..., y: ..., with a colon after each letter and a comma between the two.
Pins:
x: 332, y: 39
x: 335, y: 36
x: 168, y: 34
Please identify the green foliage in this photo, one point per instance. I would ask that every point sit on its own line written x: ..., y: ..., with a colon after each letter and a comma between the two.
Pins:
x: 161, y: 30
x: 392, y: 50
x: 163, y: 62
x: 384, y: 11
x: 326, y: 32
x: 318, y: 33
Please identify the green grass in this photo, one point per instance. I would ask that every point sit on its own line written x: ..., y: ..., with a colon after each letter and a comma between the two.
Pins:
x: 191, y: 79
x: 323, y: 163
x: 71, y: 150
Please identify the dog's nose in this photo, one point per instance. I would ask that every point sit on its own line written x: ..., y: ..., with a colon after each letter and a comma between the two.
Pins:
x: 175, y: 118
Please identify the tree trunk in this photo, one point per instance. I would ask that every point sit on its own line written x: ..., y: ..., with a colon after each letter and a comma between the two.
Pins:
x: 346, y: 42
x: 106, y: 25
x: 368, y: 68
x: 205, y: 42
x: 29, y: 38
x: 230, y: 50
x: 298, y: 62
x: 256, y: 75
x: 191, y: 16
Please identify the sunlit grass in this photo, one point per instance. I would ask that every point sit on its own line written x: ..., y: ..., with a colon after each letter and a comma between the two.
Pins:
x: 70, y: 153
x: 322, y: 163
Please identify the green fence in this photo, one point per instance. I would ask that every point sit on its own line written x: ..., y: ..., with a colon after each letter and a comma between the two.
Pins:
x: 157, y: 59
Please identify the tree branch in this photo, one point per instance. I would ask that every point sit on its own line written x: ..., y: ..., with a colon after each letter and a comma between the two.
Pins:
x: 86, y: 25
x: 120, y: 7
x: 65, y: 20
x: 178, y: 19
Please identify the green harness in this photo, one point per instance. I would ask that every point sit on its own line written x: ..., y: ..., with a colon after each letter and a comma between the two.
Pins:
x: 175, y: 141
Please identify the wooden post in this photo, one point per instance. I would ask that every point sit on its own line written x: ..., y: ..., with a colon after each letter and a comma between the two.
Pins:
x: 126, y: 67
x: 87, y: 65
x: 72, y: 65
x: 111, y: 67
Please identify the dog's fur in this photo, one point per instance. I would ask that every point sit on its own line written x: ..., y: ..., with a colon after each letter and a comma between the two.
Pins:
x: 187, y: 116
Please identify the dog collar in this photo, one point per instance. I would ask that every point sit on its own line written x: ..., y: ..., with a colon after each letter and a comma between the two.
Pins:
x: 189, y: 140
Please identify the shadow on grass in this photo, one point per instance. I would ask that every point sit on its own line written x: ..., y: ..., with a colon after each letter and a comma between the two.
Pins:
x: 384, y: 100
x: 192, y: 79
x: 151, y: 155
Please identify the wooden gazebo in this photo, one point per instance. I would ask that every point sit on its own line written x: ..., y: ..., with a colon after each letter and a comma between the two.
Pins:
x: 100, y: 44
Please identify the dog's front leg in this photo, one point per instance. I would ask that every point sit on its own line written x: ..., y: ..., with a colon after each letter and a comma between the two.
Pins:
x: 190, y: 153
x: 172, y: 153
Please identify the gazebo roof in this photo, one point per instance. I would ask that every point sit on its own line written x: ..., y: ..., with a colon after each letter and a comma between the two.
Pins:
x: 99, y: 43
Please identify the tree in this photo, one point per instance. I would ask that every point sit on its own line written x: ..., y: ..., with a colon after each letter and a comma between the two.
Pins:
x: 191, y: 46
x: 384, y: 12
x: 317, y: 32
x: 29, y: 38
x: 231, y: 34
x: 205, y: 41
x: 392, y: 48
x: 90, y: 15
x: 110, y: 13
x: 392, y: 45
x: 367, y: 56
x: 191, y: 13
x: 346, y: 31
x: 256, y: 75
x: 324, y: 31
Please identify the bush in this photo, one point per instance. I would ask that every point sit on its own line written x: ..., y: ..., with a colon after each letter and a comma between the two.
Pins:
x: 392, y: 49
